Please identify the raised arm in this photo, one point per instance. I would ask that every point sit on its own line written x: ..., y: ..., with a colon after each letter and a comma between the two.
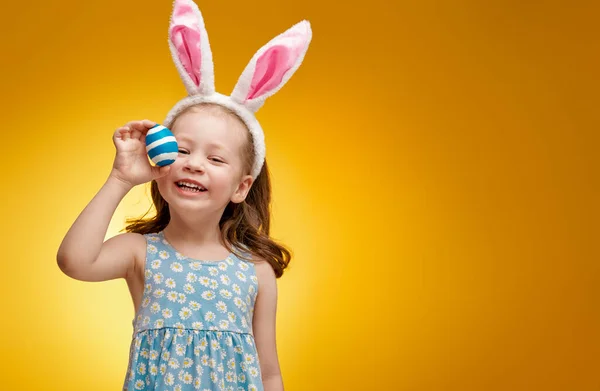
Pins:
x: 83, y: 254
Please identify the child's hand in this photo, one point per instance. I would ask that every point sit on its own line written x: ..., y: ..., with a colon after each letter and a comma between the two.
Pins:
x: 131, y: 164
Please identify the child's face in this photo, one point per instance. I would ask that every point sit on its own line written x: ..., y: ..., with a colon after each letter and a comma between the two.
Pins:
x: 210, y: 152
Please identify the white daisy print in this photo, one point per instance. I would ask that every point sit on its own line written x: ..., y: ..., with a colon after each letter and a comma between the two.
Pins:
x: 225, y: 293
x: 158, y: 323
x: 230, y: 377
x: 197, y: 325
x: 187, y: 378
x: 167, y: 313
x: 231, y: 363
x: 173, y: 363
x: 155, y: 264
x: 238, y: 349
x: 178, y: 386
x: 213, y: 271
x: 252, y: 387
x: 180, y: 349
x: 153, y: 370
x: 243, y: 266
x: 181, y: 298
x: 194, y: 305
x: 242, y: 377
x: 204, y: 281
x: 185, y: 313
x: 231, y: 316
x: 209, y: 316
x: 203, y: 344
x: 191, y: 277
x: 158, y: 278
x: 208, y: 295
x: 163, y: 254
x: 196, y: 265
x: 229, y: 261
x: 204, y: 360
x: 163, y: 369
x: 238, y: 302
x: 188, y: 288
x: 177, y: 267
x: 187, y: 362
x: 222, y: 266
x: 153, y: 355
x: 251, y: 289
x: 254, y: 279
x: 214, y: 377
x: 244, y: 322
x: 144, y: 353
x: 236, y: 289
x: 158, y: 293
x: 170, y: 283
x: 172, y: 296
x: 140, y: 385
x: 214, y: 284
x: 148, y: 274
x: 148, y: 288
x: 225, y: 279
x: 253, y: 372
x: 221, y: 307
x: 169, y: 379
x: 223, y: 324
x: 152, y: 249
x: 214, y: 345
x: 155, y: 308
x: 248, y: 358
x: 146, y: 302
x: 141, y: 369
x: 241, y: 276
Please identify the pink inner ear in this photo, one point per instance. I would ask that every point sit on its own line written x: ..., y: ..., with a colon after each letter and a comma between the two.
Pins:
x: 271, y: 67
x: 185, y: 36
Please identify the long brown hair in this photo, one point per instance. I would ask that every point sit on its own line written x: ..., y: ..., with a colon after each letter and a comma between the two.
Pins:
x: 245, y: 224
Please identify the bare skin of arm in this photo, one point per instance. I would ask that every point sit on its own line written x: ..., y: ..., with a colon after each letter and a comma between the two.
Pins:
x: 83, y: 253
x: 263, y: 324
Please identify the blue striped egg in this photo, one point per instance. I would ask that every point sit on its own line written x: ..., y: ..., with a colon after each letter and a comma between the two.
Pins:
x: 161, y: 145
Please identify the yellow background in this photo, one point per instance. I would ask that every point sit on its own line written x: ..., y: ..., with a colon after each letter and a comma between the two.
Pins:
x: 435, y: 170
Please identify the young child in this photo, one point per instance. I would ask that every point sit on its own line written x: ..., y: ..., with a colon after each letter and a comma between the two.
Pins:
x: 202, y: 271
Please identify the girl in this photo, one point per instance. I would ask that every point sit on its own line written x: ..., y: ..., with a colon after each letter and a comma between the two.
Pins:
x: 202, y: 271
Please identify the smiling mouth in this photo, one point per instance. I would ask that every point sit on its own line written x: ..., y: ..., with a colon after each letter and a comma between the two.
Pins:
x: 189, y: 189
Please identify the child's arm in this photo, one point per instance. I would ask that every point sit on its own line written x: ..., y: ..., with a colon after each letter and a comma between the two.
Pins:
x: 82, y: 254
x: 263, y: 324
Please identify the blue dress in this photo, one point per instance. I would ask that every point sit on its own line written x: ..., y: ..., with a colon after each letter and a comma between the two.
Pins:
x: 193, y: 329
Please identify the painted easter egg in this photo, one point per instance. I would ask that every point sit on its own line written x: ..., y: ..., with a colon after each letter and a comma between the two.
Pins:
x: 161, y: 145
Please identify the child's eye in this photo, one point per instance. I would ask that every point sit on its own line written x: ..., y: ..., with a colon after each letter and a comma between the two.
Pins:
x: 181, y: 151
x: 217, y: 160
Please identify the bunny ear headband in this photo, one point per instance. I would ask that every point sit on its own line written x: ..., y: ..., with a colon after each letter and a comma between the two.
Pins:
x: 268, y: 70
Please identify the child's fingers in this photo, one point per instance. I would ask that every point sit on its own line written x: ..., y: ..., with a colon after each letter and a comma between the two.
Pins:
x: 148, y: 124
x: 140, y: 128
x: 123, y: 133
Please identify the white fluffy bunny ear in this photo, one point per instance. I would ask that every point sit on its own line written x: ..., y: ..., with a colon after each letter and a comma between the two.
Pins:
x: 272, y: 66
x: 190, y: 49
